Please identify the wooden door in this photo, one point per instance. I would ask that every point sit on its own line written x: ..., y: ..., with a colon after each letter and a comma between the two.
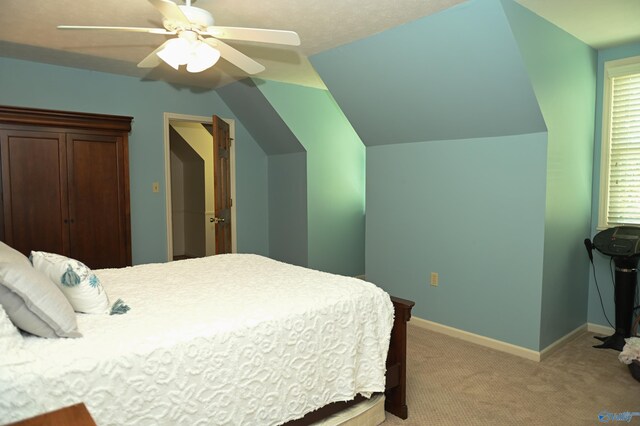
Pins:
x: 34, y: 194
x: 97, y: 175
x: 222, y: 184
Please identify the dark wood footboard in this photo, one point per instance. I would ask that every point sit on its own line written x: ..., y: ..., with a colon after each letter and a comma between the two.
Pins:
x: 396, y: 385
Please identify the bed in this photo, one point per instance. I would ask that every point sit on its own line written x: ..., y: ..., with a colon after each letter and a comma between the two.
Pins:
x: 227, y: 339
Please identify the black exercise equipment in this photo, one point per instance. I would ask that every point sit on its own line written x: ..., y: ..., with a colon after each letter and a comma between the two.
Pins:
x: 622, y: 243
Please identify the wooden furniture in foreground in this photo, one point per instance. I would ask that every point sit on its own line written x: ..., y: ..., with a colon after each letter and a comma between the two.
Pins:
x: 74, y: 415
x: 396, y: 393
x: 396, y: 385
x: 65, y: 184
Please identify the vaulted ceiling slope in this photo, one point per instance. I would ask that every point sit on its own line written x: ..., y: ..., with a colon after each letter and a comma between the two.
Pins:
x: 457, y: 74
x: 260, y: 118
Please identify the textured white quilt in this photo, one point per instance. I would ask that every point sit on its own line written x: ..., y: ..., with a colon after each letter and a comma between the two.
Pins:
x: 228, y: 339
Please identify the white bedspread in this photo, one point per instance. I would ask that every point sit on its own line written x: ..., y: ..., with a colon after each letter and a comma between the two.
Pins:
x: 228, y: 339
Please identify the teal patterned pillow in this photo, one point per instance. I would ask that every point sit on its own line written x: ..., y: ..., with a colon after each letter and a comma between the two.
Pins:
x: 78, y: 283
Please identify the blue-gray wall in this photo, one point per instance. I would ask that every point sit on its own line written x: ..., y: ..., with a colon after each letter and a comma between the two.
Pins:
x: 479, y: 130
x: 471, y: 210
x: 466, y: 199
x: 288, y: 217
x: 601, y: 262
x: 453, y: 75
x: 38, y: 85
x: 500, y: 164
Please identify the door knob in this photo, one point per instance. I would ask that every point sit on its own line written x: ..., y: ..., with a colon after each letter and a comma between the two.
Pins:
x: 218, y: 219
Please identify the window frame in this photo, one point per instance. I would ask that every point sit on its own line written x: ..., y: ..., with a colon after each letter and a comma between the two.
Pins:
x: 612, y: 69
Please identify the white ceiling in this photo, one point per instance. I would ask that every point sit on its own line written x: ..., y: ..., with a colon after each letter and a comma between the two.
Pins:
x: 598, y: 23
x: 28, y: 31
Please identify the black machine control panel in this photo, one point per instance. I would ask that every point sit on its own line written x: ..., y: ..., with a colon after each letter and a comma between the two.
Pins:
x: 621, y: 241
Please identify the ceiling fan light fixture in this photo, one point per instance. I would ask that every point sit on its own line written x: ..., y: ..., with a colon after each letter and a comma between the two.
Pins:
x: 176, y: 52
x: 198, y: 44
x: 203, y: 56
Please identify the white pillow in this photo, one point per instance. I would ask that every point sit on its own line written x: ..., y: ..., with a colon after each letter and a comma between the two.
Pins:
x: 11, y: 342
x: 77, y: 282
x: 31, y: 300
x: 34, y: 303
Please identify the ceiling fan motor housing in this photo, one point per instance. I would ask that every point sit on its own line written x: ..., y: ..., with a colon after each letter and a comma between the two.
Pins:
x: 197, y: 16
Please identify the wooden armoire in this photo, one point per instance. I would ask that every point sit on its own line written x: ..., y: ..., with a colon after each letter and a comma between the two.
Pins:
x: 65, y: 184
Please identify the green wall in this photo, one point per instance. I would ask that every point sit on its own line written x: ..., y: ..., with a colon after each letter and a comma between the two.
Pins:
x: 563, y: 74
x: 334, y: 175
x: 37, y: 85
x: 601, y: 262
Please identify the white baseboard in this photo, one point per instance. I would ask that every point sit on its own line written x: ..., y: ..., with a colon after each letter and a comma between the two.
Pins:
x: 600, y: 329
x: 499, y: 345
x: 562, y: 341
x: 477, y: 339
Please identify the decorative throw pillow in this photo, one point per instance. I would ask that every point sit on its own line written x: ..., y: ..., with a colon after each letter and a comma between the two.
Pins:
x: 34, y: 303
x: 78, y: 283
x: 31, y: 300
x: 11, y: 342
x: 10, y: 255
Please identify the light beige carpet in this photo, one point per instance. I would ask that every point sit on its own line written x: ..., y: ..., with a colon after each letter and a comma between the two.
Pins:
x: 453, y: 382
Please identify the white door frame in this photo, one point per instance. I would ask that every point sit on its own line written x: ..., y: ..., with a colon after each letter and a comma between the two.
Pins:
x: 168, y: 117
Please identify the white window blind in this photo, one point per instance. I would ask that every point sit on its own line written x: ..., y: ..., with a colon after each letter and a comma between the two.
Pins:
x: 620, y: 178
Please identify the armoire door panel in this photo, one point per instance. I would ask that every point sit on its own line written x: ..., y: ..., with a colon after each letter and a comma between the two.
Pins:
x: 96, y: 200
x: 65, y: 184
x: 34, y: 191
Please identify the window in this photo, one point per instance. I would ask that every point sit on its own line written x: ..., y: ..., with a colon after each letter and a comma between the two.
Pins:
x: 620, y: 163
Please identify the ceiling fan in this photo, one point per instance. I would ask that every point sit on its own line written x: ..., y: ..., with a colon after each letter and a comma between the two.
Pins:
x: 199, y: 44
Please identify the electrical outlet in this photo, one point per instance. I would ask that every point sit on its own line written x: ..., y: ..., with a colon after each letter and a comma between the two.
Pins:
x: 155, y: 187
x: 434, y: 279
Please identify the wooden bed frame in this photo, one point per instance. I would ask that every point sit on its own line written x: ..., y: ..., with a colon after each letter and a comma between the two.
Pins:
x: 396, y: 385
x: 395, y: 393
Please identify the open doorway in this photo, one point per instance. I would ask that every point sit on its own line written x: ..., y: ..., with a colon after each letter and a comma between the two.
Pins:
x: 189, y: 183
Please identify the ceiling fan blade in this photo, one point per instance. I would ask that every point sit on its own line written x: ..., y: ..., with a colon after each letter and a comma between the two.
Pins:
x: 255, y: 34
x: 129, y: 29
x: 170, y: 10
x: 236, y: 57
x: 152, y: 60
